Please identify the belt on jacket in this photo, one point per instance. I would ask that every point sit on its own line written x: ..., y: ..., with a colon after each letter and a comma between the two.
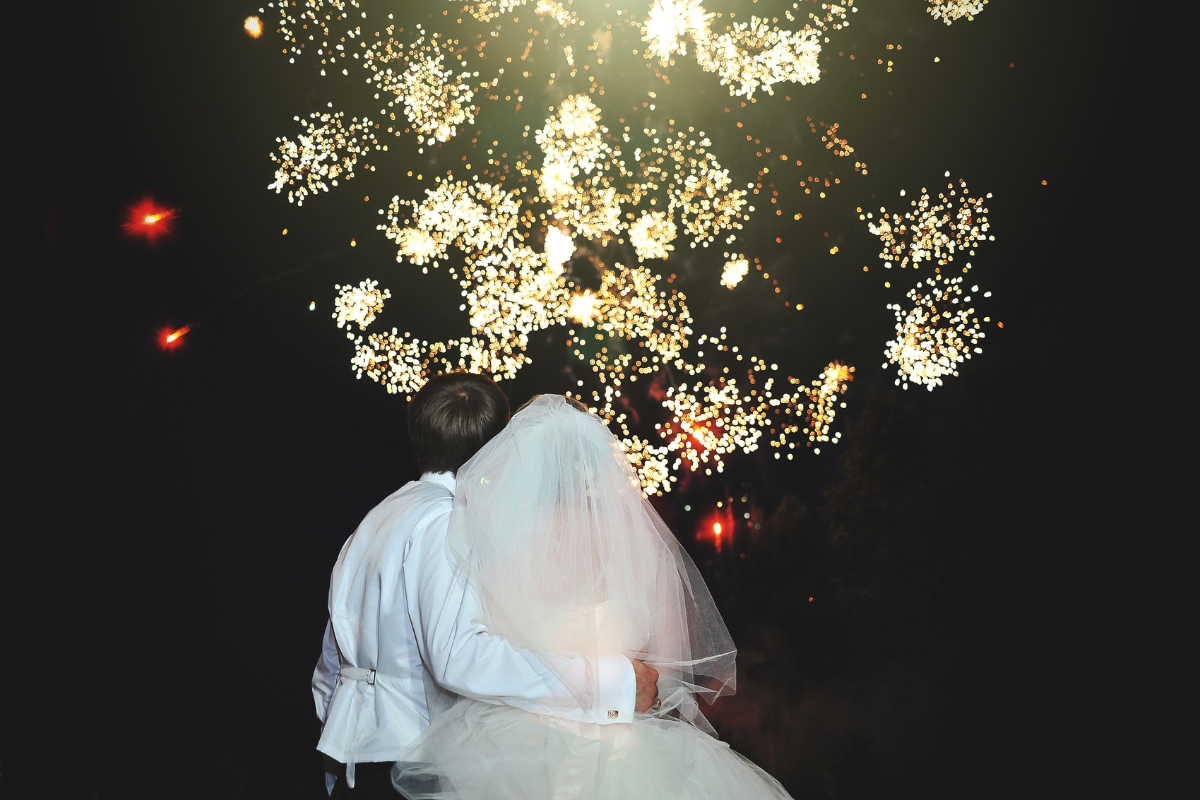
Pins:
x: 365, y: 678
x: 350, y: 673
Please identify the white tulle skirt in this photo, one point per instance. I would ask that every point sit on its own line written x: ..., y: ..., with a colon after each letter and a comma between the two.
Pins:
x: 476, y: 750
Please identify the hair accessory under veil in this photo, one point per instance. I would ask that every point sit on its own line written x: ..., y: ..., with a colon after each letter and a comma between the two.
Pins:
x: 571, y: 560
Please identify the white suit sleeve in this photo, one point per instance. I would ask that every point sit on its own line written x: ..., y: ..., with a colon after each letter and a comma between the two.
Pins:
x: 324, y: 678
x: 466, y: 659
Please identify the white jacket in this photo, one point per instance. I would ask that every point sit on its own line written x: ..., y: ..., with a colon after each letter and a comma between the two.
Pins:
x: 405, y: 636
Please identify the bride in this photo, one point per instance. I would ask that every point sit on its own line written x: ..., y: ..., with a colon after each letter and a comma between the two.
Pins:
x: 569, y: 559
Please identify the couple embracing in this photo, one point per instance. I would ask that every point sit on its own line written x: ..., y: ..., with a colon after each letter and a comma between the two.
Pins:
x: 520, y: 624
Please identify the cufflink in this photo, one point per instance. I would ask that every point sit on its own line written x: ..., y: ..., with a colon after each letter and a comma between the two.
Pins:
x: 612, y: 713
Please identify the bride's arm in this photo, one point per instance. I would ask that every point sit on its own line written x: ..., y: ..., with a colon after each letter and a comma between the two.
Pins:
x: 467, y: 659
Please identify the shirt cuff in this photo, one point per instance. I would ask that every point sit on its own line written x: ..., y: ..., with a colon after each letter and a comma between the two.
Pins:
x: 618, y: 690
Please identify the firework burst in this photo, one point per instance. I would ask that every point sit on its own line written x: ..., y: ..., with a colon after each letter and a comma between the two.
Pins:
x: 509, y: 221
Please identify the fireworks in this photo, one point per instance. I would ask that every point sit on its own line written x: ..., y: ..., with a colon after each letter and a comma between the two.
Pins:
x: 950, y: 10
x: 747, y: 56
x: 436, y: 100
x: 559, y: 247
x: 931, y: 233
x: 753, y: 55
x: 824, y: 398
x: 583, y: 308
x: 650, y: 463
x: 358, y: 304
x: 514, y: 233
x: 316, y: 18
x: 488, y: 10
x: 474, y: 217
x: 253, y: 27
x: 936, y: 335
x: 652, y: 234
x: 325, y: 151
x: 736, y: 268
x: 671, y: 24
x: 555, y: 10
x: 939, y: 331
x: 699, y: 187
x: 713, y: 419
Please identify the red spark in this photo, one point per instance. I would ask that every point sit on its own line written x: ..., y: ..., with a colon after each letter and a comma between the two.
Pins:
x: 170, y: 339
x: 149, y: 219
x: 718, y: 526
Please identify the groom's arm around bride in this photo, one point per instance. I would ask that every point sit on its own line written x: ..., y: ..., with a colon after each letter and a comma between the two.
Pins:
x: 405, y: 633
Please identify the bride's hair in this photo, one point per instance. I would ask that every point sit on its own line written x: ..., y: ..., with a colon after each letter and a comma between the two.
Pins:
x: 452, y: 416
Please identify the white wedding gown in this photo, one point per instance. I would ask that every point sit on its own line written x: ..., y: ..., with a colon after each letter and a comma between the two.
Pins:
x: 569, y: 559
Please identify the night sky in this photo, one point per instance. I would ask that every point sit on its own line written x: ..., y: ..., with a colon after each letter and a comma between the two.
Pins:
x: 190, y: 503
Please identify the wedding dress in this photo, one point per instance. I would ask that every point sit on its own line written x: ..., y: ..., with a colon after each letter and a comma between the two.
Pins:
x: 570, y: 560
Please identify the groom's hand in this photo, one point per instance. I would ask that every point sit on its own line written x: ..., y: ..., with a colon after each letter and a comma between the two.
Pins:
x: 647, y: 686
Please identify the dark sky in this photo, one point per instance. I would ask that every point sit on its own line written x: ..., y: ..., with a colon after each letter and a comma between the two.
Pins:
x: 191, y: 503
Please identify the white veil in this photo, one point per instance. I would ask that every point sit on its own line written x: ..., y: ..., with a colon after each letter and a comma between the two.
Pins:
x: 571, y: 560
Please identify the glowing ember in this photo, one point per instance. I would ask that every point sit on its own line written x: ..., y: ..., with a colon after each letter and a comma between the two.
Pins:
x: 149, y: 220
x: 171, y: 338
x: 253, y: 27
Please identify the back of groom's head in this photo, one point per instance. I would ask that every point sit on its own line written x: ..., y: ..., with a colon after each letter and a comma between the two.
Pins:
x: 452, y: 417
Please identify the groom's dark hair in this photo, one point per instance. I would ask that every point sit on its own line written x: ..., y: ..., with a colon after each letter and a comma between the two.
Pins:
x: 452, y: 417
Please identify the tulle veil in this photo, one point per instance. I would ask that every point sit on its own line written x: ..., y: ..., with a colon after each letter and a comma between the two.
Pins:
x: 571, y: 560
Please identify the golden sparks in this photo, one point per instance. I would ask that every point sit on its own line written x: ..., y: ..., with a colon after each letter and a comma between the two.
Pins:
x: 937, y: 334
x: 436, y: 99
x: 950, y: 10
x: 747, y: 56
x: 583, y: 308
x: 929, y: 233
x: 358, y: 304
x: 940, y: 330
x: 514, y: 231
x: 824, y: 399
x: 652, y: 234
x: 316, y: 18
x: 324, y: 151
x: 736, y: 268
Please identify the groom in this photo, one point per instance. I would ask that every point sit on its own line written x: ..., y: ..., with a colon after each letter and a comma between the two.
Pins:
x: 405, y: 635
